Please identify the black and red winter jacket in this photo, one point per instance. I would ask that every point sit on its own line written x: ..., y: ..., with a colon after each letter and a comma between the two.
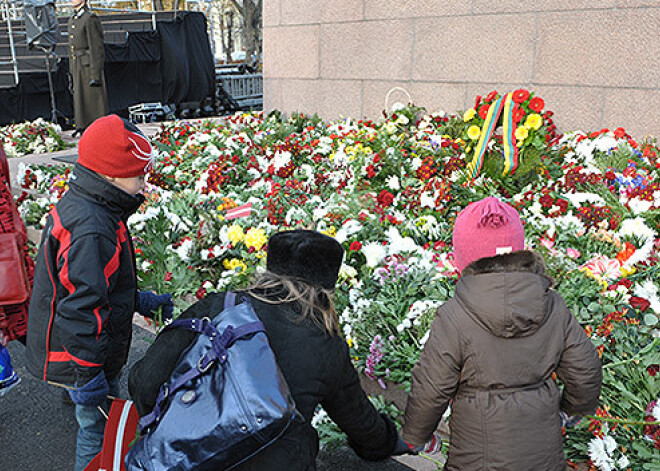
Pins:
x: 82, y: 305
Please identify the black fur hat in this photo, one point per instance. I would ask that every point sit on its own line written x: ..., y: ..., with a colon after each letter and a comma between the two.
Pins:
x: 308, y: 255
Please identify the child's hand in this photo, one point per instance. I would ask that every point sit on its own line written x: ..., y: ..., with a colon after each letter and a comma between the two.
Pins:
x: 568, y: 420
x: 433, y: 446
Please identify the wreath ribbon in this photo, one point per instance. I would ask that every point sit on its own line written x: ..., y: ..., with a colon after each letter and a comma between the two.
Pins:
x: 509, y: 139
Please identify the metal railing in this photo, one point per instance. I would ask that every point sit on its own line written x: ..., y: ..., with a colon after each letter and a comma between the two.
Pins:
x: 246, y: 90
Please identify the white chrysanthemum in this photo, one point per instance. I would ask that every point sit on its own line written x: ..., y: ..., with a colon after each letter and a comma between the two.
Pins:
x: 183, y: 251
x: 636, y: 227
x: 393, y: 182
x: 655, y: 412
x: 398, y: 244
x: 577, y: 199
x: 281, y: 159
x: 320, y: 417
x: 638, y: 206
x: 623, y: 462
x: 349, y: 228
x: 649, y: 290
x: 427, y: 200
x: 599, y: 454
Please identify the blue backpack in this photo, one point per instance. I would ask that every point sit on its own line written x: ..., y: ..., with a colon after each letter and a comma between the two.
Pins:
x: 225, y: 401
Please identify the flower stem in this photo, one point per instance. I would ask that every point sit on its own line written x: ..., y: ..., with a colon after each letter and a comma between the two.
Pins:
x: 620, y: 421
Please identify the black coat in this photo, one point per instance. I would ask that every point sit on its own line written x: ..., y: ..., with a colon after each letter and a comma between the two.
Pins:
x: 317, y: 368
x: 86, y: 58
x: 83, y: 300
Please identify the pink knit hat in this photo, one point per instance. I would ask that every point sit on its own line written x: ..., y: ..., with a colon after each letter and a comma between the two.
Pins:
x: 484, y: 229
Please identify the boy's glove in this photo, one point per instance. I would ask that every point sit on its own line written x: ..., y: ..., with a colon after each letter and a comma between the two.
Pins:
x: 148, y: 301
x: 402, y: 448
x: 434, y: 445
x: 568, y: 420
x: 93, y: 393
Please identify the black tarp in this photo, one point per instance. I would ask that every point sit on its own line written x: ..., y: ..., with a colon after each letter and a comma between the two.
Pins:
x: 173, y: 64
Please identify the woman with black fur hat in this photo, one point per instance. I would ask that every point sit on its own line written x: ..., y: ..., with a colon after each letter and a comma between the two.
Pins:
x: 293, y: 298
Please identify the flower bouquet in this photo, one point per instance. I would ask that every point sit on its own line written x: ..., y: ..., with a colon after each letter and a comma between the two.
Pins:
x: 36, y: 137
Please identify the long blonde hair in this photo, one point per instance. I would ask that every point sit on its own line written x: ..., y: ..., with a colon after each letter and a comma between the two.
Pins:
x: 316, y: 303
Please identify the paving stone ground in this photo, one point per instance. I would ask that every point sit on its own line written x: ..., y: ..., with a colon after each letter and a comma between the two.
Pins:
x: 38, y: 431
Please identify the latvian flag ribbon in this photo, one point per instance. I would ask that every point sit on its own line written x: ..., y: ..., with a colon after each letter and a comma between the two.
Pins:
x: 239, y: 212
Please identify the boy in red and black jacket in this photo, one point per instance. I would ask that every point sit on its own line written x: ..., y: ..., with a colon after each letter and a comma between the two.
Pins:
x: 85, y: 286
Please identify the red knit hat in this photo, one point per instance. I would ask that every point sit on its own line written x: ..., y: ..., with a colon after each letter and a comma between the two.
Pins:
x: 115, y: 147
x: 484, y: 229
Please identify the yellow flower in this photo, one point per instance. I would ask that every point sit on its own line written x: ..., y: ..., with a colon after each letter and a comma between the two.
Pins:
x: 230, y: 264
x: 521, y: 133
x: 331, y: 231
x: 474, y: 132
x: 256, y: 238
x: 235, y: 234
x: 350, y: 342
x: 234, y: 264
x: 626, y: 271
x: 534, y: 121
x: 469, y: 114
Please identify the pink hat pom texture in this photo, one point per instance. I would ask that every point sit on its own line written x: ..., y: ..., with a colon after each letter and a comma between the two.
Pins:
x: 484, y: 229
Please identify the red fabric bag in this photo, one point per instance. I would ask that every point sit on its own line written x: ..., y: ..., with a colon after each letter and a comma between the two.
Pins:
x: 14, y: 287
x: 120, y: 431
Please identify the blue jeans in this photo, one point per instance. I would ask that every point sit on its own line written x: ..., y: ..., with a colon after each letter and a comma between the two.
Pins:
x: 91, y: 426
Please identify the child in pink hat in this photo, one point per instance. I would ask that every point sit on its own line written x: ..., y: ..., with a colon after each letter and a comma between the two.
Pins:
x: 493, y: 349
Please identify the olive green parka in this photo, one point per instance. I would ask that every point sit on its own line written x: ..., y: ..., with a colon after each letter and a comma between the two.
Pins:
x: 86, y: 59
x: 493, y: 350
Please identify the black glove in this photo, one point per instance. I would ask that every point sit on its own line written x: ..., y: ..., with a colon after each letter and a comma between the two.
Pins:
x: 402, y: 448
x: 94, y: 83
x: 148, y: 301
x: 93, y: 393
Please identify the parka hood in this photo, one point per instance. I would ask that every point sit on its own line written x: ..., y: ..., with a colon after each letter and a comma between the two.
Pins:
x: 507, y: 294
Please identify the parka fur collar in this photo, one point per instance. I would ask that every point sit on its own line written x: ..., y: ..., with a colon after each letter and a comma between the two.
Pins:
x: 522, y: 261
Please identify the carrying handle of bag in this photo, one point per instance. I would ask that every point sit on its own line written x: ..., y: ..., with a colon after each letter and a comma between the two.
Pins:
x: 216, y: 354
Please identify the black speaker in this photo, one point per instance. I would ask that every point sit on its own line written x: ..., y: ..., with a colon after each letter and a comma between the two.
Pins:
x: 41, y: 27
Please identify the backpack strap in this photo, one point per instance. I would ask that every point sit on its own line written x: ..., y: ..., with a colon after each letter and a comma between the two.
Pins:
x: 216, y: 354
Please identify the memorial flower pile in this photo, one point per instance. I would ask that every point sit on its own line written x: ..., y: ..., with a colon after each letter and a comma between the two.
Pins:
x: 36, y: 137
x: 389, y: 192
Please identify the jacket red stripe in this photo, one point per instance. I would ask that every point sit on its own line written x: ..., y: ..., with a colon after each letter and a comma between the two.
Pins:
x: 64, y: 238
x: 66, y: 356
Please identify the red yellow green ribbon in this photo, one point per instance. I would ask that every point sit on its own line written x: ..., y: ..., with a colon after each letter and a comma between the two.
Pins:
x: 509, y: 140
x: 509, y: 136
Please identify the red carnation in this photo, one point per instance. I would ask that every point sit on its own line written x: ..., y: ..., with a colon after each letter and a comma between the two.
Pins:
x: 547, y: 201
x: 536, y: 104
x: 355, y: 246
x: 483, y: 111
x: 619, y: 133
x: 519, y: 96
x: 518, y: 114
x: 385, y: 198
x: 491, y: 96
x: 639, y: 303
